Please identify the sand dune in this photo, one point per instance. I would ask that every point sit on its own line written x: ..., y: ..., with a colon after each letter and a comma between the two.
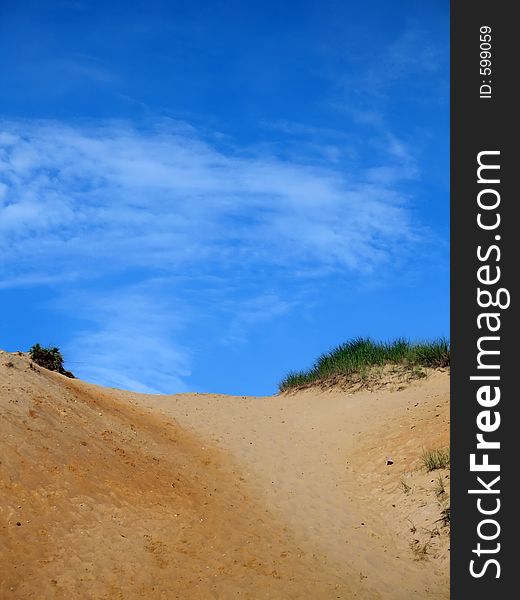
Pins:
x: 108, y: 494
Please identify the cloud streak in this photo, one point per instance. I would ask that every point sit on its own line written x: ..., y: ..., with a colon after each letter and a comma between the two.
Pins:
x: 125, y: 205
x: 130, y: 340
x: 163, y: 197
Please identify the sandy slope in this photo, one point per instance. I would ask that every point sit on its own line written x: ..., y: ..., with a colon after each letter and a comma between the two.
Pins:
x: 107, y: 494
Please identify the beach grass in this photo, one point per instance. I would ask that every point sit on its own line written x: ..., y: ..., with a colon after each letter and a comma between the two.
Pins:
x: 439, y: 458
x: 356, y: 358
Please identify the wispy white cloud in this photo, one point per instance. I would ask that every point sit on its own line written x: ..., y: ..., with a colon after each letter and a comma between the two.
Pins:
x: 129, y: 340
x: 253, y: 312
x: 111, y: 196
x: 102, y: 201
x: 413, y: 53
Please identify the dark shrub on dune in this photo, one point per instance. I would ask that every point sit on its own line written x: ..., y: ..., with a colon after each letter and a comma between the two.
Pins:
x: 48, y: 358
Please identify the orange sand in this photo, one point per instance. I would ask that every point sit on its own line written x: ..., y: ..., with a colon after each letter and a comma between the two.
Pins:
x: 107, y: 494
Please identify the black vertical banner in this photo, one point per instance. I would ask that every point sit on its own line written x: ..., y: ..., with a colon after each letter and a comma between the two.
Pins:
x: 485, y: 267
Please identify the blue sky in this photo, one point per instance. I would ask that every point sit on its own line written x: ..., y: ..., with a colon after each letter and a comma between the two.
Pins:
x: 205, y: 195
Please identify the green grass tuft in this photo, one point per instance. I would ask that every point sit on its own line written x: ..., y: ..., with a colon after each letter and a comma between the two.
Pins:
x: 360, y: 356
x: 436, y: 459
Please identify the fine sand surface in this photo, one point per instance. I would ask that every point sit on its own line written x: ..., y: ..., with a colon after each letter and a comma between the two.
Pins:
x: 109, y: 494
